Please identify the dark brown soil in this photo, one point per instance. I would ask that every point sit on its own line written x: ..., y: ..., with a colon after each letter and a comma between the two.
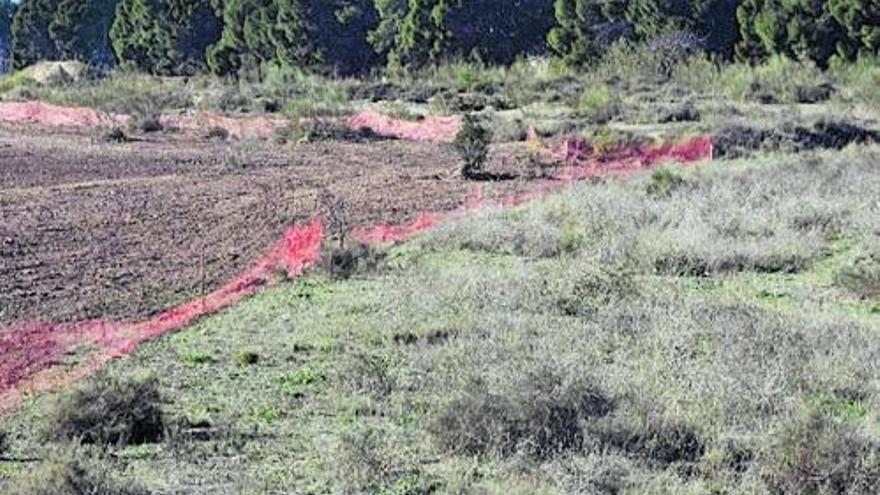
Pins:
x: 90, y: 229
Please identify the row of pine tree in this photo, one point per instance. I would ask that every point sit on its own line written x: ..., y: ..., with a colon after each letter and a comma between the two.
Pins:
x: 227, y: 37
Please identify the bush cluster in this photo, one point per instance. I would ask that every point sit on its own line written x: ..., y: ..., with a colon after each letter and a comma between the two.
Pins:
x: 542, y: 413
x: 108, y: 412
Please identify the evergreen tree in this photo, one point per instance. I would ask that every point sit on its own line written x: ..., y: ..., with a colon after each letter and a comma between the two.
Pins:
x: 860, y: 21
x: 247, y: 40
x: 816, y: 30
x: 499, y: 31
x: 586, y: 28
x: 325, y: 35
x: 7, y: 11
x: 164, y: 36
x: 31, y: 40
x: 341, y: 30
x: 414, y: 33
x: 80, y: 30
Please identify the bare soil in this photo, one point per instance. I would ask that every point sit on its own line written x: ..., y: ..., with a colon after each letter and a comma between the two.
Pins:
x: 93, y: 229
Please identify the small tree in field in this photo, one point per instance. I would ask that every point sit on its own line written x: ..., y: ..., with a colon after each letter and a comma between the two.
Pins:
x: 472, y: 145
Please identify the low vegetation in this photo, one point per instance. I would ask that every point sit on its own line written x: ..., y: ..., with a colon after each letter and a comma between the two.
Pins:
x: 65, y: 473
x: 663, y: 334
x: 689, y: 330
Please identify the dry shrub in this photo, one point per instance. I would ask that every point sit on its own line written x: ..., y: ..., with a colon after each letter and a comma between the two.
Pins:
x: 342, y: 263
x: 324, y: 129
x: 862, y: 277
x: 821, y: 456
x: 108, y: 411
x: 588, y: 288
x: 658, y: 439
x: 738, y: 141
x: 151, y: 123
x: 115, y: 135
x: 542, y: 413
x: 369, y: 460
x: 67, y: 473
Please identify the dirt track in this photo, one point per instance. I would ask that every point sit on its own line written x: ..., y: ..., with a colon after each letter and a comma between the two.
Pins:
x: 93, y: 229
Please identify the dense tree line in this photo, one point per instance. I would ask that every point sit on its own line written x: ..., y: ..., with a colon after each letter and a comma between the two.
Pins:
x: 7, y: 10
x: 810, y: 29
x: 165, y: 36
x: 327, y: 35
x: 412, y: 33
x: 586, y: 28
x: 230, y: 37
x: 63, y: 29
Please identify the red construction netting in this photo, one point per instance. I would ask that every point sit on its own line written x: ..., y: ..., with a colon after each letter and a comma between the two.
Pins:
x: 45, y: 114
x: 581, y: 160
x: 431, y: 129
x: 36, y: 112
x: 30, y: 353
x: 237, y: 127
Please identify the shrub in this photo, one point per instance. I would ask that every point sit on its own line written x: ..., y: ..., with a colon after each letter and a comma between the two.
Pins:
x: 108, y: 411
x: 373, y: 373
x: 14, y: 81
x: 66, y: 474
x: 217, y: 134
x: 369, y: 461
x: 542, y: 412
x: 737, y: 141
x: 599, y: 104
x: 335, y: 130
x: 246, y: 358
x: 821, y: 456
x: 197, y: 357
x: 344, y: 262
x: 4, y: 443
x: 778, y: 79
x: 116, y: 135
x: 587, y: 288
x: 151, y: 124
x: 656, y: 439
x: 686, y: 112
x: 862, y: 277
x: 664, y: 181
x: 672, y: 49
x: 472, y: 144
x: 122, y: 92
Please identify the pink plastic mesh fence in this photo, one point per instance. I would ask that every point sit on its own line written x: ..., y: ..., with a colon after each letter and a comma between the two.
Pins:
x: 29, y: 353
